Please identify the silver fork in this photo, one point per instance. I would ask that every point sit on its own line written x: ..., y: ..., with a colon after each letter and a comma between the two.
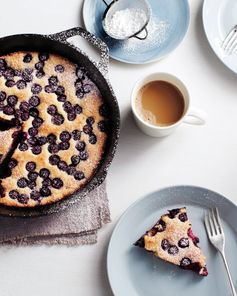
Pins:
x: 229, y: 45
x: 217, y: 237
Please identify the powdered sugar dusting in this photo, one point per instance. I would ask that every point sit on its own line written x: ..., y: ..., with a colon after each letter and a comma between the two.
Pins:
x: 157, y: 34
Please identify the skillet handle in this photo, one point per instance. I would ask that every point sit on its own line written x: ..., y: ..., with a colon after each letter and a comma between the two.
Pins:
x: 103, y: 64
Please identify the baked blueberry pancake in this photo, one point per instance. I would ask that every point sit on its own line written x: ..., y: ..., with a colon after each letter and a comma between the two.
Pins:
x: 53, y: 125
x: 172, y: 240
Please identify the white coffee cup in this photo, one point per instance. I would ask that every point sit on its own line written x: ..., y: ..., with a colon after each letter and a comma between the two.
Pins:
x: 192, y: 116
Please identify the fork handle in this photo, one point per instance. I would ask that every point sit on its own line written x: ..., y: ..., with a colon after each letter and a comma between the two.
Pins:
x: 229, y: 275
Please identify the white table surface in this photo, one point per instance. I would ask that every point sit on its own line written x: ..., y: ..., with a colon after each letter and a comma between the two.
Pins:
x: 204, y: 156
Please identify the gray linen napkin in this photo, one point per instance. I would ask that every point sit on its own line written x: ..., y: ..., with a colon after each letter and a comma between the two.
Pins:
x: 76, y: 225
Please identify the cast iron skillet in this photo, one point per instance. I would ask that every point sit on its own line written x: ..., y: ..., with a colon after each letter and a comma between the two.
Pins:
x: 58, y: 43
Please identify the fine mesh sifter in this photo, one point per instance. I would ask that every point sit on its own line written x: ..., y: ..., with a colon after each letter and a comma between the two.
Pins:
x: 141, y: 17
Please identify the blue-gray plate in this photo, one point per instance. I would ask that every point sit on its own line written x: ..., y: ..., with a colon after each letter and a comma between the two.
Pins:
x: 167, y: 28
x: 133, y: 271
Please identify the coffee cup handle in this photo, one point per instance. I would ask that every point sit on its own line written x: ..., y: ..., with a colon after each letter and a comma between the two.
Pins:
x: 195, y: 116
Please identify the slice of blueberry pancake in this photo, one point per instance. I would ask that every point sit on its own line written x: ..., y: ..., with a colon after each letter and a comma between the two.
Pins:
x: 62, y: 121
x: 172, y: 240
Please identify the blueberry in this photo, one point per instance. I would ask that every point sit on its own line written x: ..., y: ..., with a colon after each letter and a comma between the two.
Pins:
x: 65, y: 136
x: 86, y: 88
x: 30, y: 166
x: 62, y: 165
x: 36, y: 150
x: 58, y: 119
x: 23, y: 198
x: 71, y: 116
x: 60, y: 90
x: 84, y: 155
x: 25, y: 115
x: 3, y: 64
x: 35, y: 195
x: 64, y: 146
x: 77, y: 109
x: 14, y: 194
x: 104, y: 111
x: 40, y: 74
x: 53, y: 148
x: 8, y: 110
x: 78, y: 84
x: 32, y: 185
x: 32, y: 141
x: 57, y: 183
x: 23, y: 147
x: 53, y: 80
x: 1, y: 106
x: 173, y: 213
x: 48, y: 89
x: 81, y: 73
x: 44, y: 173
x: 173, y: 250
x: 27, y: 58
x: 43, y: 57
x: 51, y: 138
x: 12, y: 163
x: 24, y: 106
x: 103, y: 126
x: 10, y: 83
x: 3, y: 96
x: 22, y: 182
x: 183, y: 217
x: 87, y: 129
x: 36, y: 88
x: 80, y: 146
x: 34, y: 101
x: 92, y: 139
x: 47, y: 182
x: 54, y: 159
x: 75, y: 159
x: 37, y: 122
x: 9, y: 74
x: 62, y: 98
x: 67, y: 107
x: 32, y: 131
x: 12, y: 100
x: 80, y: 93
x: 34, y: 112
x: 79, y: 175
x: 59, y: 68
x: 165, y: 244
x: 39, y: 66
x: 42, y: 140
x: 45, y: 191
x: 32, y: 176
x: 185, y: 262
x: 52, y: 109
x: 90, y: 120
x: 27, y: 77
x: 71, y: 170
x: 183, y: 242
x: 21, y: 84
x: 76, y: 134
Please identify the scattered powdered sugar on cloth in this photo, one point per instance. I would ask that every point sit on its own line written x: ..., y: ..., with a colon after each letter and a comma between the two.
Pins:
x: 125, y: 23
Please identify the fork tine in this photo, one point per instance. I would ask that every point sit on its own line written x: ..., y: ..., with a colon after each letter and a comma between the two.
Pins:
x: 217, y: 228
x: 206, y: 221
x: 227, y: 39
x: 218, y: 220
x: 233, y: 47
x: 231, y: 42
x: 213, y: 228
